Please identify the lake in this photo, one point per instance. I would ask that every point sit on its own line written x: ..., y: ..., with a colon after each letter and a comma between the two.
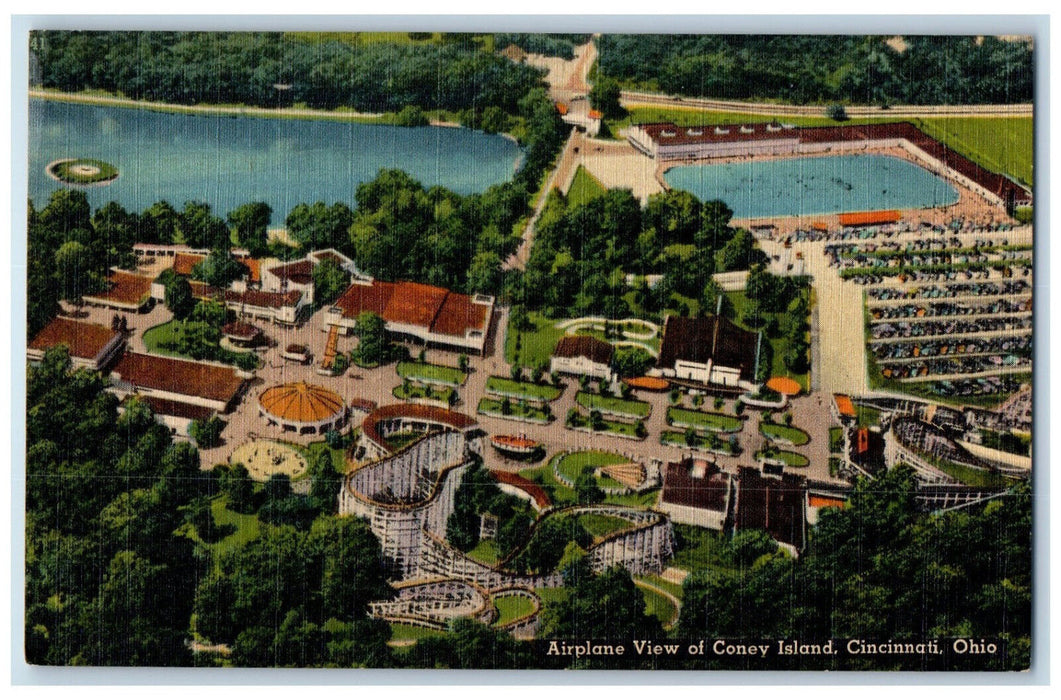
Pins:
x: 226, y: 161
x: 814, y: 185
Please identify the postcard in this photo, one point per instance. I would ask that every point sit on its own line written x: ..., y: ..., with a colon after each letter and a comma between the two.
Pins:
x: 419, y: 350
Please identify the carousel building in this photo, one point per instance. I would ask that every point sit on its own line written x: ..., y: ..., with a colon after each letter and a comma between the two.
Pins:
x: 302, y: 408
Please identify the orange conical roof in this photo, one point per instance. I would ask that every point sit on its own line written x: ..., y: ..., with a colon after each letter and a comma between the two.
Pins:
x: 299, y: 402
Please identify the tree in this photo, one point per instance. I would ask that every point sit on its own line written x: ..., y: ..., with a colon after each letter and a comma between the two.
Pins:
x: 632, y: 361
x: 202, y: 229
x: 604, y: 97
x: 373, y: 347
x: 178, y: 298
x: 329, y: 281
x: 250, y: 221
x: 73, y: 269
x: 207, y: 433
x: 210, y: 312
x: 238, y: 487
x: 587, y: 491
x: 219, y: 269
x: 159, y: 223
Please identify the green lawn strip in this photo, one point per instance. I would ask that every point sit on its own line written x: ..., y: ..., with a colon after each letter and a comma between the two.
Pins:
x: 423, y: 391
x: 600, y: 526
x: 495, y: 407
x: 543, y: 476
x: 611, y: 404
x: 485, y: 552
x: 658, y: 605
x: 615, y: 427
x: 698, y: 548
x: 536, y: 345
x: 511, y: 608
x: 791, y: 459
x: 584, y: 187
x: 694, y: 116
x: 715, y: 422
x: 524, y: 390
x: 836, y: 440
x: 675, y: 589
x: 164, y: 333
x: 634, y: 500
x: 405, y: 632
x: 434, y: 374
x: 247, y: 528
x: 783, y: 432
x: 973, y: 477
x: 1001, y: 144
x: 674, y: 437
x: 571, y: 465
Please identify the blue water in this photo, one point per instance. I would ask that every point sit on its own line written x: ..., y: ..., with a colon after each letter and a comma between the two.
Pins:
x: 227, y: 161
x: 818, y: 185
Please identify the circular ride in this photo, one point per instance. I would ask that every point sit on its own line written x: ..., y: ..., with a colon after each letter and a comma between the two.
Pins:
x: 302, y: 408
x: 263, y: 458
x: 82, y: 171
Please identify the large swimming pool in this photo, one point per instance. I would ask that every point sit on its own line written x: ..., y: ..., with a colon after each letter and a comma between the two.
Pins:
x: 814, y: 185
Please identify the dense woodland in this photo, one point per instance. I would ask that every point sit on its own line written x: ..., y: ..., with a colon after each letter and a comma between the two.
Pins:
x: 245, y: 67
x: 812, y: 69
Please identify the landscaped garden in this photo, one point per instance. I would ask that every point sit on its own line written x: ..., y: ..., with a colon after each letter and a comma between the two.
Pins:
x: 704, y: 420
x: 790, y: 459
x: 785, y: 433
x: 415, y: 390
x: 571, y: 465
x: 522, y: 390
x: 615, y: 405
x: 506, y: 408
x: 430, y: 373
x: 709, y: 441
x: 597, y: 423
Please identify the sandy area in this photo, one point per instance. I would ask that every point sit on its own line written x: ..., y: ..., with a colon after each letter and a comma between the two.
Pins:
x: 263, y: 458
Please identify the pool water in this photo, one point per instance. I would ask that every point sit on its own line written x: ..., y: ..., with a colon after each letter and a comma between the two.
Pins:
x: 814, y: 185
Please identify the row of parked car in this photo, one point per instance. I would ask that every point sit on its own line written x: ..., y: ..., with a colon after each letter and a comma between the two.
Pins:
x: 1019, y: 286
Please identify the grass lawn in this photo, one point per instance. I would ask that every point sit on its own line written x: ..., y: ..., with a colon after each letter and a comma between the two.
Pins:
x: 784, y: 432
x: 1001, y: 144
x: 675, y: 589
x: 512, y: 607
x: 400, y: 631
x: 974, y: 477
x: 836, y: 440
x: 692, y: 116
x: 433, y: 374
x: 515, y: 410
x: 485, y: 552
x: 424, y: 391
x: 674, y: 437
x: 313, y: 449
x: 247, y: 529
x: 715, y: 422
x: 571, y: 465
x: 638, y: 409
x: 584, y: 187
x: 658, y: 606
x: 536, y: 345
x: 635, y: 500
x: 543, y: 476
x: 156, y: 336
x: 699, y: 548
x: 779, y: 345
x: 524, y: 390
x: 791, y: 459
x: 600, y: 526
x: 616, y: 427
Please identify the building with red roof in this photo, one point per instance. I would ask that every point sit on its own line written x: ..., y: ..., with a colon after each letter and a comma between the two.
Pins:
x: 208, y: 384
x: 90, y: 345
x: 709, y: 350
x: 696, y: 492
x: 583, y: 355
x: 420, y: 312
x: 126, y: 291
